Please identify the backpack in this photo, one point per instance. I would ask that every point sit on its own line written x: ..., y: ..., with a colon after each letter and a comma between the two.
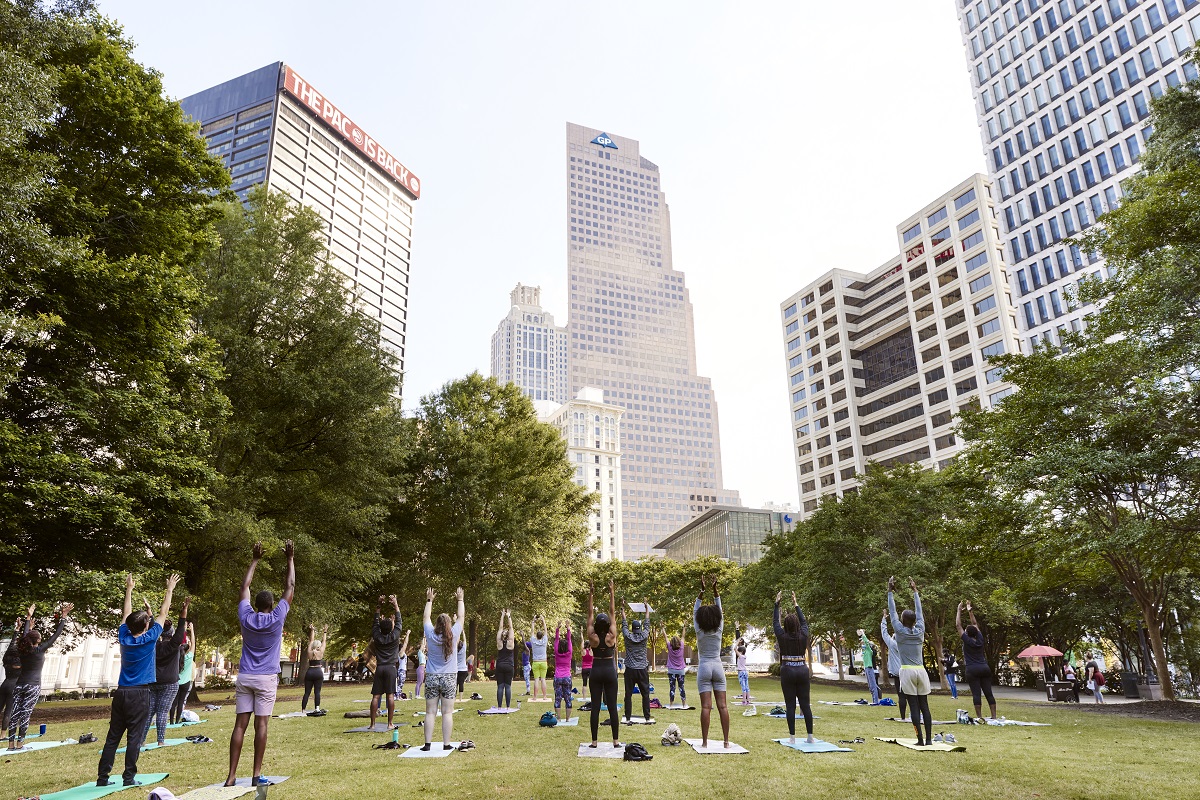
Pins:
x: 635, y: 752
x: 548, y: 720
x: 654, y: 703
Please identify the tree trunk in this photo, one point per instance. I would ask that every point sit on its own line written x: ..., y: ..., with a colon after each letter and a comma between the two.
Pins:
x: 1154, y: 631
x: 835, y: 643
x: 885, y: 679
x: 937, y: 654
x: 472, y: 629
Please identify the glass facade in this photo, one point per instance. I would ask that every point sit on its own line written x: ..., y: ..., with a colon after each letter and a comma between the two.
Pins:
x: 733, y: 534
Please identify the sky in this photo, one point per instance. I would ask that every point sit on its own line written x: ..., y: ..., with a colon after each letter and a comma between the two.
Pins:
x: 792, y: 137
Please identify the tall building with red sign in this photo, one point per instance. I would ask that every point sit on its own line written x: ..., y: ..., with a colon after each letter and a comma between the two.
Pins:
x: 632, y: 335
x: 271, y: 126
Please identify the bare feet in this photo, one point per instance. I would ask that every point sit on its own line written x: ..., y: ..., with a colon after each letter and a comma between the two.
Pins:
x: 726, y: 745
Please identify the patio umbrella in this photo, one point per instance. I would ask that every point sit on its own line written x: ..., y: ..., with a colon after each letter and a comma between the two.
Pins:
x: 1038, y: 651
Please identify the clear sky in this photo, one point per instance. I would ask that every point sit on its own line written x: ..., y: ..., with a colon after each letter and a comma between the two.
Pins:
x: 792, y: 138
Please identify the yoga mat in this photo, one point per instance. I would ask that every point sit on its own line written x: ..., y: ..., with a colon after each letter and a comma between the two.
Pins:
x: 90, y: 791
x: 487, y: 711
x: 911, y: 744
x: 909, y: 721
x: 438, y: 714
x: 186, y: 724
x: 380, y: 727
x: 716, y: 747
x: 567, y: 723
x: 435, y: 751
x: 601, y: 750
x: 293, y: 714
x: 840, y: 703
x: 273, y: 779
x: 31, y: 746
x: 682, y: 708
x: 816, y: 747
x: 155, y: 746
x: 799, y: 716
x: 217, y: 792
x: 639, y: 721
x: 1002, y: 722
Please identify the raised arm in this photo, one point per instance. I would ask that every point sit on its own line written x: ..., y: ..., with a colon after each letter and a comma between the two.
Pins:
x: 404, y: 645
x: 775, y: 616
x: 166, y: 604
x: 887, y: 638
x: 803, y: 621
x: 500, y: 631
x: 289, y: 587
x: 58, y: 628
x: 958, y: 619
x: 919, y: 628
x: 429, y: 595
x: 891, y: 598
x: 181, y: 629
x: 127, y: 609
x: 971, y: 612
x: 646, y: 609
x: 612, y: 601
x: 462, y: 608
x: 256, y: 555
x: 591, y: 617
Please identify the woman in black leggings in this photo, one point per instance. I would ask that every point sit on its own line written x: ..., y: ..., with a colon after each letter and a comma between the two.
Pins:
x: 603, y: 639
x: 314, y: 676
x: 792, y: 638
x: 979, y: 674
x: 506, y: 648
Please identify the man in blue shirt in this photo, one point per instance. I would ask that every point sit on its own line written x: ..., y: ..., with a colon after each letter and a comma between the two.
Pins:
x: 137, y: 636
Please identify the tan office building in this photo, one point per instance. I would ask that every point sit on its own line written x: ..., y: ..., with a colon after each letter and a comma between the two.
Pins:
x: 880, y: 363
x: 631, y: 335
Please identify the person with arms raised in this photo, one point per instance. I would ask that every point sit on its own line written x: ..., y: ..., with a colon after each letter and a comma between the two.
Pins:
x: 794, y: 676
x: 28, y: 689
x: 385, y: 636
x: 138, y: 638
x: 441, y: 673
x: 977, y: 671
x: 166, y: 681
x: 603, y: 639
x: 258, y: 670
x: 710, y: 672
x: 637, y: 661
x: 910, y: 641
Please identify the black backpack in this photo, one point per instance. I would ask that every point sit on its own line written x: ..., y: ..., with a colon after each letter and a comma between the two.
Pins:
x: 635, y: 752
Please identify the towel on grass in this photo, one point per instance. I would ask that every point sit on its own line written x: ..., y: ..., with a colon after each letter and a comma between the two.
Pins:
x: 601, y: 750
x: 911, y: 744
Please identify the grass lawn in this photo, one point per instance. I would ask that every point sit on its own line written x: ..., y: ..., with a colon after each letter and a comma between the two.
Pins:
x: 1084, y: 755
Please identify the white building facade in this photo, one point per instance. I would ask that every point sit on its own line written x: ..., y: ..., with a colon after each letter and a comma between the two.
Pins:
x: 528, y: 349
x: 591, y: 428
x: 632, y: 336
x: 879, y: 364
x: 271, y: 126
x: 1062, y: 91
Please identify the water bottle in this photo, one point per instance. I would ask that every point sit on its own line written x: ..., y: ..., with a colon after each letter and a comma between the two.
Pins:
x: 395, y: 735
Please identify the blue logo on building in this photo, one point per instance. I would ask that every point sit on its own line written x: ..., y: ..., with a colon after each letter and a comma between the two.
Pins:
x: 604, y: 140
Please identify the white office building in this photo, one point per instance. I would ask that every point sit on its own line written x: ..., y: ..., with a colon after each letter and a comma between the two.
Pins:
x: 1062, y: 91
x: 880, y: 363
x: 591, y: 428
x: 528, y: 349
x: 632, y: 335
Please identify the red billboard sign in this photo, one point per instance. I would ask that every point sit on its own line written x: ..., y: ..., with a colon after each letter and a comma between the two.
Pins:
x: 332, y: 116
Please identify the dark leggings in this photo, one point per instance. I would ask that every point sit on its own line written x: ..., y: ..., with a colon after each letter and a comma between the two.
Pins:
x: 462, y: 679
x: 979, y: 676
x: 181, y: 698
x: 641, y: 679
x: 6, y: 700
x: 918, y: 706
x: 504, y: 679
x: 604, y: 690
x: 794, y: 679
x: 314, y: 679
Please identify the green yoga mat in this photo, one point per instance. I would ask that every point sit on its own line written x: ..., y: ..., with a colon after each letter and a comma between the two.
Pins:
x: 90, y: 791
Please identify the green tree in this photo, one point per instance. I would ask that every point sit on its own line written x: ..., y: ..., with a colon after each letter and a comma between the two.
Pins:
x: 313, y: 445
x: 489, y: 505
x: 107, y: 192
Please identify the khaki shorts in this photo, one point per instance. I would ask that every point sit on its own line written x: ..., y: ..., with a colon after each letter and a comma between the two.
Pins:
x: 914, y: 680
x: 255, y: 693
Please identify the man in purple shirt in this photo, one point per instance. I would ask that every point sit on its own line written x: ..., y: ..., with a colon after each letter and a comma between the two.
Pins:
x: 258, y: 671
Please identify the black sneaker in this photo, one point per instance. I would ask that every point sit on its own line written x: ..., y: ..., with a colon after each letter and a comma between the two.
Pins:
x: 103, y: 782
x: 134, y: 782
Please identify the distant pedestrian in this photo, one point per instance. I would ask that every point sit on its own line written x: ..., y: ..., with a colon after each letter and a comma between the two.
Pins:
x: 1094, y: 675
x: 950, y: 664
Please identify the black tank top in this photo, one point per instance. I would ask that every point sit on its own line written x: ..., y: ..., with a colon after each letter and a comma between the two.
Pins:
x: 602, y: 653
x: 504, y: 658
x: 318, y: 663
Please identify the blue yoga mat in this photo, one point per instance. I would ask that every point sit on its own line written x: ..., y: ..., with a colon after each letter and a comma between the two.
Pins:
x: 816, y: 747
x: 90, y: 791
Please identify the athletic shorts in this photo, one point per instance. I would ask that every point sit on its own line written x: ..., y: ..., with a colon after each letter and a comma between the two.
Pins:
x: 710, y: 677
x: 585, y: 674
x: 384, y: 682
x: 255, y: 693
x: 441, y: 686
x: 539, y: 669
x: 562, y: 691
x: 914, y: 680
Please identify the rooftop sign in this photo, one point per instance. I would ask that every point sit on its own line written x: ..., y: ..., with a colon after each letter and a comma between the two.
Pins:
x: 604, y: 140
x: 332, y: 116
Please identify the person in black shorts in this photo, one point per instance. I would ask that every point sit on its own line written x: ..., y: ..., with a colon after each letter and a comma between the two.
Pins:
x: 385, y: 636
x: 506, y: 644
x: 976, y: 669
x: 603, y: 639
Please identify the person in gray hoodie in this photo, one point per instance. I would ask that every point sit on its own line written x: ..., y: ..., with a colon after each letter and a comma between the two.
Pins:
x: 910, y: 641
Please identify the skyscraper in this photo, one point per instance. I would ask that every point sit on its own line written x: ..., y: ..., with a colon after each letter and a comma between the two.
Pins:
x: 632, y: 335
x: 1062, y: 92
x: 271, y: 126
x: 528, y: 349
x: 880, y: 363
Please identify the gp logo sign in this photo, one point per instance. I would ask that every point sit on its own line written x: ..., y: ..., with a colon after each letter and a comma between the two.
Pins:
x: 604, y: 140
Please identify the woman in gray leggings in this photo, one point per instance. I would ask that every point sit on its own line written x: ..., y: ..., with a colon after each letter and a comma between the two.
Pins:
x: 710, y: 672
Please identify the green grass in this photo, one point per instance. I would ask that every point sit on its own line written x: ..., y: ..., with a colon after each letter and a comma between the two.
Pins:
x: 1084, y: 755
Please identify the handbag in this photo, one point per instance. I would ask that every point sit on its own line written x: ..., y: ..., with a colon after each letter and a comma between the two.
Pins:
x: 1091, y: 685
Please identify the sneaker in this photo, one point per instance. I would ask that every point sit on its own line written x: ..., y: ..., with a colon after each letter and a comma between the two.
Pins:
x: 133, y: 782
x: 937, y: 737
x: 949, y: 738
x: 104, y: 782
